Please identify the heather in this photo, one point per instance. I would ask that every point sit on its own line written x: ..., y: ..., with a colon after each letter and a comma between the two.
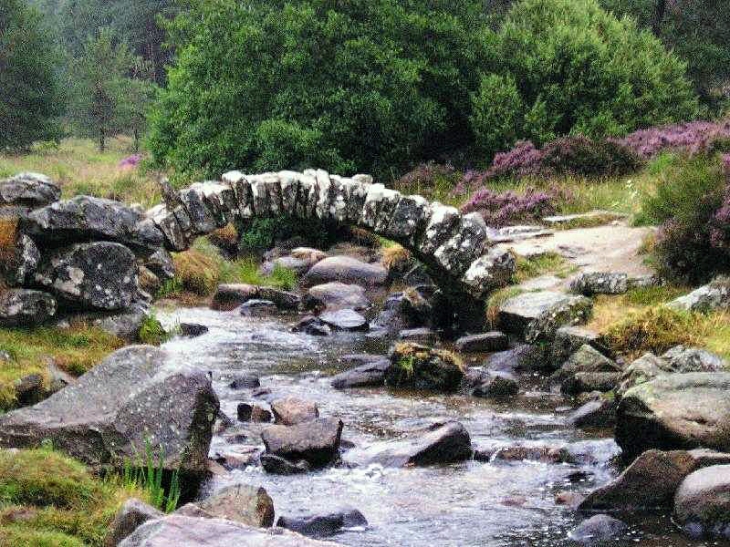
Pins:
x: 693, y: 138
x: 504, y: 208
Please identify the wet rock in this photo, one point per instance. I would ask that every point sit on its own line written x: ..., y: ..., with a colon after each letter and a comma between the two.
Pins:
x: 522, y: 357
x: 230, y: 296
x: 422, y: 335
x: 591, y: 283
x: 192, y: 330
x: 420, y: 367
x: 497, y: 385
x: 84, y: 218
x: 134, y: 395
x: 258, y: 308
x: 312, y: 326
x: 336, y: 296
x: 292, y: 411
x: 443, y: 443
x: 586, y: 382
x: 714, y: 296
x: 19, y: 268
x: 29, y: 190
x: 368, y: 375
x: 324, y: 525
x: 683, y: 359
x: 570, y: 499
x: 190, y: 531
x: 702, y: 502
x: 569, y: 339
x: 277, y: 465
x: 586, y: 360
x: 484, y: 342
x: 130, y: 516
x: 651, y: 481
x: 346, y: 319
x: 243, y: 380
x: 537, y: 316
x: 676, y: 411
x: 521, y: 453
x: 241, y: 503
x: 23, y: 307
x: 598, y: 413
x: 345, y: 270
x: 316, y: 441
x: 95, y: 276
x: 247, y: 412
x: 598, y: 530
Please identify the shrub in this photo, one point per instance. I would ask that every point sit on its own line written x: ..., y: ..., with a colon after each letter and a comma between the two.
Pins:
x: 502, y: 209
x: 691, y: 138
x: 426, y: 176
x: 576, y: 70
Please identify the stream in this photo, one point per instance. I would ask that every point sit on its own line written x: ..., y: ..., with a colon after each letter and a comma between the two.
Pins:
x: 494, y: 504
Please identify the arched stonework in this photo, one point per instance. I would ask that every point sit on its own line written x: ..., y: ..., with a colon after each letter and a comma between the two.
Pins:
x: 454, y: 247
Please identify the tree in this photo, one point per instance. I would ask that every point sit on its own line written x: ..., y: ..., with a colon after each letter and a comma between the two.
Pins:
x: 30, y: 99
x: 578, y: 69
x: 105, y: 98
x: 362, y: 85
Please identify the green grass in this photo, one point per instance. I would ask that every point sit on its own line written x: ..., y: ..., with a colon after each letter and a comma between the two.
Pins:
x: 75, y: 350
x: 152, y: 332
x: 495, y: 301
x: 147, y: 473
x: 47, y: 498
x: 544, y: 264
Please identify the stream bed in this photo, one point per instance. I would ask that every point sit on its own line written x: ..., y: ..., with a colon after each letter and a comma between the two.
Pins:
x: 486, y: 504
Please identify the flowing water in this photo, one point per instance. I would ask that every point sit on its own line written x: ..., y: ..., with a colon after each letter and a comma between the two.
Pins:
x: 497, y: 503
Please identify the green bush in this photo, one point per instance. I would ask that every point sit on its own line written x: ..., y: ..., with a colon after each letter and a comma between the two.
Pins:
x: 362, y: 85
x: 569, y: 67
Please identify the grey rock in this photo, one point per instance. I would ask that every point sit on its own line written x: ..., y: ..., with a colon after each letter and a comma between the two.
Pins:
x: 29, y: 390
x: 292, y: 411
x: 703, y: 500
x: 277, y: 465
x: 598, y: 413
x: 683, y: 359
x: 323, y: 525
x: 134, y: 395
x: 586, y: 382
x: 491, y: 271
x: 345, y: 319
x: 497, y: 385
x: 345, y: 270
x: 465, y: 246
x: 316, y: 441
x: 29, y: 190
x: 484, y: 342
x: 645, y: 368
x: 368, y: 375
x: 337, y: 296
x: 569, y: 339
x: 413, y: 366
x: 598, y: 530
x: 676, y: 411
x: 241, y: 503
x: 95, y: 276
x: 522, y: 357
x: 19, y: 269
x: 586, y: 359
x: 243, y: 380
x: 257, y: 308
x: 22, y: 307
x: 297, y: 265
x: 160, y: 263
x: 124, y: 324
x: 590, y: 283
x: 714, y: 296
x: 130, y: 516
x: 312, y: 326
x: 422, y: 335
x: 83, y: 218
x: 192, y: 330
x: 230, y: 296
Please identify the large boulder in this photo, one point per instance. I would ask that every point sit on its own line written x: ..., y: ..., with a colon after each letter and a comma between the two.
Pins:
x: 136, y: 396
x: 684, y: 359
x: 702, y: 502
x: 714, y: 296
x: 18, y: 269
x: 345, y: 270
x: 316, y: 441
x: 645, y: 368
x: 186, y: 531
x: 537, y: 316
x: 370, y: 374
x: 230, y: 296
x: 85, y: 218
x: 590, y: 283
x: 96, y: 276
x: 419, y: 367
x: 676, y: 411
x: 241, y: 503
x: 29, y: 190
x: 337, y: 296
x: 22, y: 307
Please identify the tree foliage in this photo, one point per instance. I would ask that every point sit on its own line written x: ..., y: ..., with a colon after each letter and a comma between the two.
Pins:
x: 29, y: 92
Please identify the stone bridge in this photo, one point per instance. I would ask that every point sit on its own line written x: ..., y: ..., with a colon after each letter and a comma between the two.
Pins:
x: 455, y: 248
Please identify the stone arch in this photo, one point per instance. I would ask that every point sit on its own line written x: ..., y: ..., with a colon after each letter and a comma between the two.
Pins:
x: 455, y: 248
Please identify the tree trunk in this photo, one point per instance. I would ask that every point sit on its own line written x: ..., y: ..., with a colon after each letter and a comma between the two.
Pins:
x: 136, y: 140
x: 659, y: 10
x: 102, y: 139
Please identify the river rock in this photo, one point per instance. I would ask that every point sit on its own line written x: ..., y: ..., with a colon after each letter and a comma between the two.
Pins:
x: 420, y: 367
x: 336, y: 296
x: 96, y: 276
x: 484, y: 342
x: 441, y: 444
x: 714, y: 296
x: 421, y: 335
x: 188, y: 531
x: 497, y: 385
x: 651, y: 481
x: 587, y: 382
x: 192, y: 330
x: 345, y: 270
x: 230, y: 296
x: 590, y: 283
x: 316, y: 441
x: 312, y: 326
x: 106, y: 416
x: 29, y: 190
x: 292, y: 411
x: 130, y: 516
x: 243, y: 380
x: 676, y: 411
x: 702, y: 502
x: 537, y: 316
x: 258, y: 308
x: 569, y: 339
x: 241, y: 503
x: 344, y: 320
x: 161, y: 264
x: 525, y: 357
x: 598, y: 530
x: 414, y: 308
x: 586, y: 360
x: 277, y: 465
x: 83, y: 218
x: 23, y: 307
x: 324, y: 525
x: 600, y: 412
x: 368, y: 375
x: 296, y: 265
x: 645, y: 368
x: 247, y: 412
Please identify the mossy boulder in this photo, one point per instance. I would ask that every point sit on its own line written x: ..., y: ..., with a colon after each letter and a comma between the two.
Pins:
x: 414, y: 366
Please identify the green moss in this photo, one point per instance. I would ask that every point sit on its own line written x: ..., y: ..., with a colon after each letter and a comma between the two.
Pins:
x: 152, y: 332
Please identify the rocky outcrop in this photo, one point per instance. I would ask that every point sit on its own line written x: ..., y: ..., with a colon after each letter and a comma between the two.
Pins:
x: 676, y: 411
x: 419, y: 367
x: 29, y: 190
x: 22, y: 307
x: 134, y: 397
x: 714, y: 296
